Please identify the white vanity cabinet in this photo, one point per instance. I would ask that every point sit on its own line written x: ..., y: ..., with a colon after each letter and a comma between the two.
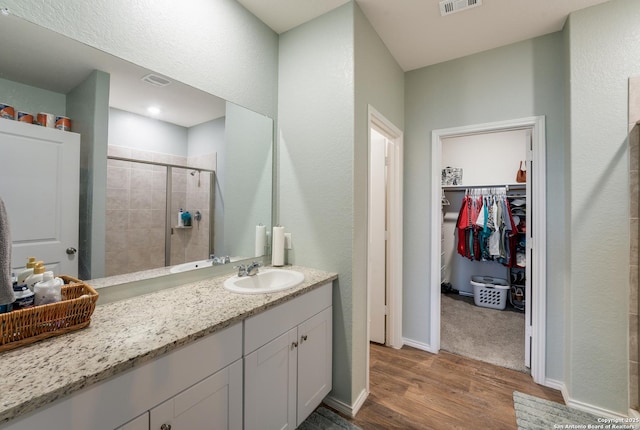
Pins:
x: 287, y: 363
x: 140, y: 423
x: 212, y: 404
x: 205, y: 374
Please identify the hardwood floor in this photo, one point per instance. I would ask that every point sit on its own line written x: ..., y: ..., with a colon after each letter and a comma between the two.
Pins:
x: 413, y: 389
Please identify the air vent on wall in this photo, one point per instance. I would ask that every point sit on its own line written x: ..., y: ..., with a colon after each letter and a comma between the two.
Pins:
x: 156, y: 80
x: 447, y: 7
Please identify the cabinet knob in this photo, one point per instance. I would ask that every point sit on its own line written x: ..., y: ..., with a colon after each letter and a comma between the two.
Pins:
x: 303, y: 338
x: 294, y: 345
x: 165, y: 427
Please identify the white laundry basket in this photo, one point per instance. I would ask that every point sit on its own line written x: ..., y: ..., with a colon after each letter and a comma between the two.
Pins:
x: 490, y: 292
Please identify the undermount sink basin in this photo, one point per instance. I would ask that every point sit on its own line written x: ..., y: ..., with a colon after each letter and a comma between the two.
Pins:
x: 266, y: 281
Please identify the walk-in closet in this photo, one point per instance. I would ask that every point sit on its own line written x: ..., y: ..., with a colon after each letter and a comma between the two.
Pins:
x: 484, y: 220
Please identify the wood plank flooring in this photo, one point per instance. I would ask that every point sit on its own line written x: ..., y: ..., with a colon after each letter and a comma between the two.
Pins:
x: 413, y: 389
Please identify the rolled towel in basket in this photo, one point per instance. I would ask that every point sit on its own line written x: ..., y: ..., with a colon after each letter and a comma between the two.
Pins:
x: 6, y: 287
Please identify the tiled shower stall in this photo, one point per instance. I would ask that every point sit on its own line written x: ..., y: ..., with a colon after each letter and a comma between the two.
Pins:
x: 136, y: 218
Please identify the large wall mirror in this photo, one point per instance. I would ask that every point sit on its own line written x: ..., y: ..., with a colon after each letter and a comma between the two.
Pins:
x: 196, y: 152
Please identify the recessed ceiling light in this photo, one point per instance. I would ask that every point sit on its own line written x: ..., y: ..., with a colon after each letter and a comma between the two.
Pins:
x: 155, y: 80
x: 153, y: 110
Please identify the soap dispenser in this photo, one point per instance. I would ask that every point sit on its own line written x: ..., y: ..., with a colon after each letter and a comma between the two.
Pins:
x: 37, y: 275
x: 27, y: 271
x: 180, y: 219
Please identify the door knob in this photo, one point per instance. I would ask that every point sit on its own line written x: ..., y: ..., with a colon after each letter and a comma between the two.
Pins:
x: 71, y: 250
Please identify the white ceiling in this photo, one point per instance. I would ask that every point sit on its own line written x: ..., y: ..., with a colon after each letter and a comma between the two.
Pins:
x: 416, y: 34
x: 413, y: 30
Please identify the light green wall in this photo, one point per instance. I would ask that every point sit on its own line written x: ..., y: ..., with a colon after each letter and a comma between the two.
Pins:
x: 246, y: 187
x: 379, y: 82
x: 516, y: 81
x: 88, y: 108
x: 315, y: 137
x: 32, y: 99
x: 147, y: 134
x: 204, y: 139
x: 216, y: 46
x: 604, y: 52
x: 331, y: 69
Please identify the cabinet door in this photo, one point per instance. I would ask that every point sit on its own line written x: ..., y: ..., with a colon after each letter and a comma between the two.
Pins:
x: 314, y: 362
x: 212, y: 404
x: 140, y: 423
x: 270, y: 385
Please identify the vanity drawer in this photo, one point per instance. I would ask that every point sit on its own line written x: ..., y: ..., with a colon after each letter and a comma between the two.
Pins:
x: 262, y: 328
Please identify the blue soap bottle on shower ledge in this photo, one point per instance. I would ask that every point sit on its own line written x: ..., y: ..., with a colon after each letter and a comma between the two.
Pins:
x: 186, y: 219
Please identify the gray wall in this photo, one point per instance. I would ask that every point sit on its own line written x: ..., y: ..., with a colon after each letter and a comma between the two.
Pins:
x: 315, y: 138
x: 515, y: 81
x: 88, y: 108
x: 604, y: 53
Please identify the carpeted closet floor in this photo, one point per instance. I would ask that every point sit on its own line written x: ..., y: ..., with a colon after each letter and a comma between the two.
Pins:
x: 490, y: 335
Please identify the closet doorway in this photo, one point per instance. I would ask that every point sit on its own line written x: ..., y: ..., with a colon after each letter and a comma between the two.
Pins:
x: 384, y: 233
x: 533, y: 339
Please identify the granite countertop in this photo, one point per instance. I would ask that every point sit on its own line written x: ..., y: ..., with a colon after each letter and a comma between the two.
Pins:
x: 127, y: 333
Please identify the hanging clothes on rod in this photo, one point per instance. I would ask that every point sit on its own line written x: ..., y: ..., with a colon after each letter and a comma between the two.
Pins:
x: 485, y: 227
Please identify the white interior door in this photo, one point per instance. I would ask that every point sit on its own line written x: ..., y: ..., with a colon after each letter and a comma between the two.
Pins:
x: 377, y: 264
x: 39, y: 184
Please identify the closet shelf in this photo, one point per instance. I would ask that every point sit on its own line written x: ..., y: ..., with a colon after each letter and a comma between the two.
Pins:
x: 512, y: 186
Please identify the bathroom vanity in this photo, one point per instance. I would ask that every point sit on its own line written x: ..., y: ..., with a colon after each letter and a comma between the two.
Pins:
x: 183, y: 358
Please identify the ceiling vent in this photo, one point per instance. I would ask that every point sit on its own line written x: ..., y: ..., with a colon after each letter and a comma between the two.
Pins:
x: 156, y: 80
x: 448, y: 7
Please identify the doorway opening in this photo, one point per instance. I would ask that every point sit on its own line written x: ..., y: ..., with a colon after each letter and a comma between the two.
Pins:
x: 534, y: 195
x: 384, y: 249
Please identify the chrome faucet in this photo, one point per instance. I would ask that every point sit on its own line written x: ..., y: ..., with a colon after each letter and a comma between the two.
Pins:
x: 242, y: 270
x: 219, y: 260
x: 252, y: 269
x: 248, y: 270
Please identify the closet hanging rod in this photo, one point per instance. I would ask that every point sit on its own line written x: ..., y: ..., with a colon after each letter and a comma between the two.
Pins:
x: 516, y: 186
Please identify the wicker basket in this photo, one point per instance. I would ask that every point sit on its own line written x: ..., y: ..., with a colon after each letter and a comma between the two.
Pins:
x: 23, y: 327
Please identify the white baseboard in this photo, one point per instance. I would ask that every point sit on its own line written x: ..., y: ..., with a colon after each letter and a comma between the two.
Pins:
x: 419, y: 345
x: 557, y: 385
x: 348, y: 410
x: 595, y: 410
x: 585, y: 407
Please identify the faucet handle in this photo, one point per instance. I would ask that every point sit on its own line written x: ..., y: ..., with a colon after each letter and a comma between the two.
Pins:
x: 227, y: 259
x: 242, y: 270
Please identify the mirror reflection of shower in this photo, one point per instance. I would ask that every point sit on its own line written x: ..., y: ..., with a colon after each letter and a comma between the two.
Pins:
x: 144, y: 199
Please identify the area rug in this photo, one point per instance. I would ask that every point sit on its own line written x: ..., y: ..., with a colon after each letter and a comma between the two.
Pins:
x: 324, y: 419
x: 534, y: 413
